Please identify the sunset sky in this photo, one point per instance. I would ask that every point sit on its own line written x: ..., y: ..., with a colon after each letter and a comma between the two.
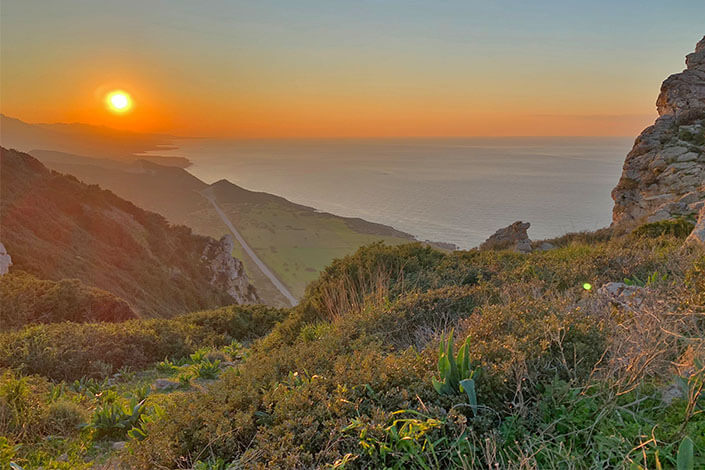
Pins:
x: 346, y: 68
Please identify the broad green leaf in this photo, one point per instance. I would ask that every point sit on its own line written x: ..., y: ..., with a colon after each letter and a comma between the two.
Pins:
x: 685, y: 459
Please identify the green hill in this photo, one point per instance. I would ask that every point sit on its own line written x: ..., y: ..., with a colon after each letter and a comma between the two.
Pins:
x: 295, y: 241
x: 56, y: 227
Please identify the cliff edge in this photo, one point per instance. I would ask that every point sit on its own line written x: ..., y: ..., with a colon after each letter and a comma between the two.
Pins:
x: 664, y: 174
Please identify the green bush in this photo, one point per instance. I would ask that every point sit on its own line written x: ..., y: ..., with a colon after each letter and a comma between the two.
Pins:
x: 64, y: 417
x: 345, y: 380
x: 67, y: 351
x: 456, y: 374
x: 27, y: 300
x: 207, y: 370
x: 679, y: 228
x: 115, y: 419
x: 22, y: 410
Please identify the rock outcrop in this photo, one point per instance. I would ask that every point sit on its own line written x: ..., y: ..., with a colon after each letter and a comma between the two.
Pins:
x: 698, y: 234
x: 622, y: 295
x: 664, y: 174
x: 513, y: 236
x: 228, y: 273
x: 5, y: 260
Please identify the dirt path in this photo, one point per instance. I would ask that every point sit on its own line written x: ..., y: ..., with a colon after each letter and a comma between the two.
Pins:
x: 208, y: 194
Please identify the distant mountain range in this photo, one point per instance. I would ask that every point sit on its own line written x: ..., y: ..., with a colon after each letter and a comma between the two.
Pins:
x: 57, y: 227
x: 86, y: 139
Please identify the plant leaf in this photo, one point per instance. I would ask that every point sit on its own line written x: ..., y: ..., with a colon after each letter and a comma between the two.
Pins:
x: 468, y: 386
x: 685, y: 455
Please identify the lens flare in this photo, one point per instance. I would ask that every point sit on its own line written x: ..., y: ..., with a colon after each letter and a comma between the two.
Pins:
x: 587, y: 286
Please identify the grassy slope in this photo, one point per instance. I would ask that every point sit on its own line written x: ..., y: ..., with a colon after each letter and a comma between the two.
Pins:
x: 49, y: 418
x: 298, y: 244
x: 566, y: 378
x: 295, y: 241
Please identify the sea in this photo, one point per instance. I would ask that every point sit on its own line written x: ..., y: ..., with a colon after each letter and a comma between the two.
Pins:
x: 453, y: 190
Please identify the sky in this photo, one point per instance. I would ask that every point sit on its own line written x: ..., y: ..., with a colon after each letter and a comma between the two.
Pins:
x: 357, y: 68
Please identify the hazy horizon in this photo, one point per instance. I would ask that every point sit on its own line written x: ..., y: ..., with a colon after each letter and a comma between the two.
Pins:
x: 453, y: 190
x: 362, y: 69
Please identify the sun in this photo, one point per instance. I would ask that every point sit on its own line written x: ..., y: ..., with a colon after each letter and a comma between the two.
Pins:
x: 118, y: 101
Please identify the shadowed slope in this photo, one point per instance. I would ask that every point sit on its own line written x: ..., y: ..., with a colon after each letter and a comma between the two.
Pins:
x: 56, y: 227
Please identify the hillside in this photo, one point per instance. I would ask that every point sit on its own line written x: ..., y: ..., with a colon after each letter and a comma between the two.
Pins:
x: 296, y: 242
x: 573, y: 355
x: 55, y: 227
x: 27, y: 300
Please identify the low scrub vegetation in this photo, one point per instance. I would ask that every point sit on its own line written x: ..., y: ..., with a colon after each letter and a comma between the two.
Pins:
x: 27, y: 300
x: 408, y: 358
x: 68, y: 351
x: 561, y: 376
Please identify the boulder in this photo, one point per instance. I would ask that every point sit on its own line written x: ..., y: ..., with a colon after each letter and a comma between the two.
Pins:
x: 163, y: 385
x: 664, y: 174
x: 5, y: 260
x: 622, y: 295
x: 118, y: 445
x: 513, y: 237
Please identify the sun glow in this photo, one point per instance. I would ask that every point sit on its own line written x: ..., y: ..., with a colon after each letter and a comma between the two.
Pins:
x: 118, y: 101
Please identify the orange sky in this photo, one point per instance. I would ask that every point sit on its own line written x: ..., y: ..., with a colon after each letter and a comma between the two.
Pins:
x: 264, y: 70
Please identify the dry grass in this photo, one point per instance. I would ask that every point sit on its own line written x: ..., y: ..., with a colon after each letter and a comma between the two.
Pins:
x: 349, y: 293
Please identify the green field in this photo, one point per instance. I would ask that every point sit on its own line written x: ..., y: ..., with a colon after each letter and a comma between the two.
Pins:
x: 298, y: 244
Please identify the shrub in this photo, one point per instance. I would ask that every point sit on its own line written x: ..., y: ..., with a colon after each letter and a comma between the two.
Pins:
x: 67, y: 351
x: 115, y: 419
x: 207, y: 369
x: 566, y: 378
x: 22, y: 410
x: 27, y: 300
x: 530, y: 324
x: 7, y: 451
x: 679, y: 228
x: 64, y: 417
x: 166, y: 366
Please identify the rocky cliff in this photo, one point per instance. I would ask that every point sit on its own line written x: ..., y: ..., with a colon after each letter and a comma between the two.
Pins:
x: 664, y: 174
x: 228, y: 273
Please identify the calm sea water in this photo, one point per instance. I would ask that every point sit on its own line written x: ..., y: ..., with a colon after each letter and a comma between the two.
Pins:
x: 451, y: 190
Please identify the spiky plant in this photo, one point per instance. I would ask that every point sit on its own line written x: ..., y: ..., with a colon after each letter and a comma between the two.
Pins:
x: 456, y: 374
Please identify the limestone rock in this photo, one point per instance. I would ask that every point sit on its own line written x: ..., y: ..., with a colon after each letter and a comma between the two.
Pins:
x: 5, y: 260
x: 664, y: 174
x: 697, y: 236
x: 671, y: 392
x: 118, y: 445
x: 165, y: 384
x: 228, y: 273
x: 513, y: 236
x: 622, y: 295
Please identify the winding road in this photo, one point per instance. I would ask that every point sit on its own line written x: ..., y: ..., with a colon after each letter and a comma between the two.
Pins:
x: 208, y: 194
